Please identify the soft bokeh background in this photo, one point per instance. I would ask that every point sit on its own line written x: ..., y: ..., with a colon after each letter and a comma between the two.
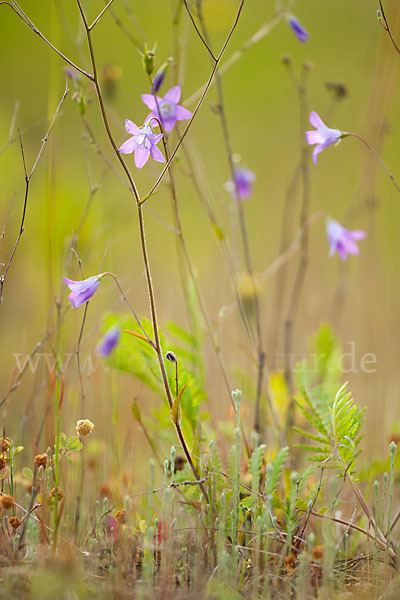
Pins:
x: 361, y: 299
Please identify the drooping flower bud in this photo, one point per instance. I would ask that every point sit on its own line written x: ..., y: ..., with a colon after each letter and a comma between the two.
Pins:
x: 171, y: 357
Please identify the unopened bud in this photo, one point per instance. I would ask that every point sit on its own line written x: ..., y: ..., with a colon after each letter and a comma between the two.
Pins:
x: 148, y: 60
x: 160, y: 75
x: 171, y: 357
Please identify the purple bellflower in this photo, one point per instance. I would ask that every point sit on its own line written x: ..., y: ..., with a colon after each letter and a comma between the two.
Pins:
x: 142, y: 143
x: 322, y: 136
x: 243, y: 185
x: 341, y: 240
x: 82, y: 291
x: 109, y: 341
x: 298, y: 29
x: 167, y: 107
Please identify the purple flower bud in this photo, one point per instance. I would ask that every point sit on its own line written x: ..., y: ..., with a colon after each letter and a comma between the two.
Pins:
x: 171, y: 357
x: 298, y: 29
x: 160, y: 76
x: 82, y: 291
x: 109, y: 341
x: 341, y: 240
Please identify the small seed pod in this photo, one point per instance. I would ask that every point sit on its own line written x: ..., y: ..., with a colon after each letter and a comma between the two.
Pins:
x: 40, y: 460
x: 4, y: 444
x: 60, y: 493
x: 14, y: 522
x: 120, y: 516
x: 318, y: 552
x: 3, y: 462
x: 6, y: 501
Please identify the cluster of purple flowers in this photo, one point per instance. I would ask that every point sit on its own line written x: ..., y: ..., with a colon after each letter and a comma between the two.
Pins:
x: 166, y: 112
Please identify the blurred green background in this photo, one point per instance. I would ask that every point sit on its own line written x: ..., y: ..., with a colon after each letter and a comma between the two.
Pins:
x: 360, y: 298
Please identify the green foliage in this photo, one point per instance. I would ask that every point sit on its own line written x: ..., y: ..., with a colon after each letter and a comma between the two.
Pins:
x: 256, y: 463
x: 275, y: 469
x: 335, y: 421
x: 335, y: 441
x: 136, y: 357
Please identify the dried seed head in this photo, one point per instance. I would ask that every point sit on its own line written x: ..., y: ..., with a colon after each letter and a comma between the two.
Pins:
x: 105, y: 490
x: 6, y: 501
x: 40, y: 460
x: 3, y: 462
x: 120, y: 516
x: 14, y: 522
x: 291, y: 559
x: 180, y: 462
x: 84, y: 427
x: 318, y: 552
x: 60, y: 493
x: 338, y: 90
x: 4, y: 444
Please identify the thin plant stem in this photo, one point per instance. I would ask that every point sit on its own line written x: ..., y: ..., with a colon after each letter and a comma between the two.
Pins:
x: 186, y: 255
x: 18, y: 11
x: 261, y: 355
x: 383, y: 20
x: 376, y: 156
x: 28, y: 178
x: 200, y: 102
x: 301, y: 87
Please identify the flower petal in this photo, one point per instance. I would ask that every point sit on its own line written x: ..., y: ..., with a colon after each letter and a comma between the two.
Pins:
x: 79, y: 286
x: 316, y: 151
x: 349, y: 245
x: 357, y: 234
x: 141, y: 157
x: 316, y: 120
x: 169, y: 124
x: 128, y: 147
x: 150, y: 101
x: 156, y: 154
x: 173, y: 95
x: 314, y: 137
x: 131, y: 127
x: 341, y: 250
x: 154, y: 138
x: 182, y: 114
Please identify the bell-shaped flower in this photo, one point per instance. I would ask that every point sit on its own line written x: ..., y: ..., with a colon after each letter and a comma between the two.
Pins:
x: 109, y: 341
x: 243, y: 184
x: 82, y: 291
x: 342, y: 240
x: 142, y: 143
x: 322, y: 136
x: 167, y: 108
